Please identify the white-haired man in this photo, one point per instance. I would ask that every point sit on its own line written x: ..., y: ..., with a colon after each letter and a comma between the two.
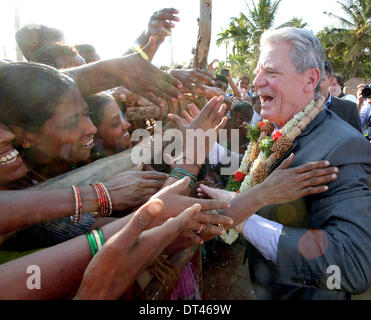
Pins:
x: 318, y: 247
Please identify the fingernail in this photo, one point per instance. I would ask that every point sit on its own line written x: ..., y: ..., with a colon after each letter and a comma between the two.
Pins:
x: 222, y: 232
x: 334, y: 176
x: 327, y: 163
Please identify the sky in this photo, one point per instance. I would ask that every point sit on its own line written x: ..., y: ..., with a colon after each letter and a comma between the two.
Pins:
x: 113, y: 25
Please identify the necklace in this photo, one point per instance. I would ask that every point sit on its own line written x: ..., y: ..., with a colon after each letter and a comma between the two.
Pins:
x: 265, y: 148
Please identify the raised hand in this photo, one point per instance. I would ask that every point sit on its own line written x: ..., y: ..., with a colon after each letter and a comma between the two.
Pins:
x: 148, y: 81
x: 160, y: 24
x: 211, y: 117
x: 193, y: 80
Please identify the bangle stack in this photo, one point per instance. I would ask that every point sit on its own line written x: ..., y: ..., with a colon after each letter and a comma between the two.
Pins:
x: 104, y: 199
x: 96, y: 240
x: 179, y: 174
x: 78, y: 205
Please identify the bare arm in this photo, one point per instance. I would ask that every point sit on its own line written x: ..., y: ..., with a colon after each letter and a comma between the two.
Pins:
x: 21, y: 209
x: 62, y: 266
x: 235, y: 90
x: 131, y: 71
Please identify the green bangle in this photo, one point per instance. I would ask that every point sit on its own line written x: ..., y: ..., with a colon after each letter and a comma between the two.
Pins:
x: 101, y: 236
x: 185, y: 172
x: 92, y: 243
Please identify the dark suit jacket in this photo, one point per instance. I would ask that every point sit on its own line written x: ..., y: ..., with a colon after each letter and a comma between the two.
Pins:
x: 342, y: 214
x: 346, y: 110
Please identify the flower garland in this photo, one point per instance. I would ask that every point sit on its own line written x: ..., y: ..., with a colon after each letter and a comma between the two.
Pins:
x: 265, y: 148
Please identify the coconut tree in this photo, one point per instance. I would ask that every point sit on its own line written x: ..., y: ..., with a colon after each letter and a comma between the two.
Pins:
x: 245, y: 32
x: 348, y: 47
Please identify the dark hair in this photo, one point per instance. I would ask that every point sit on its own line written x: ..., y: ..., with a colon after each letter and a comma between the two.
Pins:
x: 29, y: 93
x: 37, y: 35
x: 244, y: 77
x: 87, y: 51
x: 96, y: 104
x: 221, y: 78
x: 340, y: 80
x: 245, y: 108
x: 85, y: 48
x: 49, y: 54
x: 328, y: 68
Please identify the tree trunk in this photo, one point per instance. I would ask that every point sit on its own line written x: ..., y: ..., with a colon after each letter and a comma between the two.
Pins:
x: 204, y: 35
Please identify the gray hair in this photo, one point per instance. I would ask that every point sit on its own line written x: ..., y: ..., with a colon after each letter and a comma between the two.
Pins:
x: 307, y: 51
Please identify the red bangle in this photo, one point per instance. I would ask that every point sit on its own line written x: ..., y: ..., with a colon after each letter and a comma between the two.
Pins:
x: 106, y: 203
x: 100, y: 199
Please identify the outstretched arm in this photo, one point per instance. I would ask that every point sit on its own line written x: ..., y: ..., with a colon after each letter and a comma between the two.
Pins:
x: 133, y: 72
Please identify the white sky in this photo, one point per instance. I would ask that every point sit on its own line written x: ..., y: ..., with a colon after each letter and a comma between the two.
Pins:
x: 113, y: 25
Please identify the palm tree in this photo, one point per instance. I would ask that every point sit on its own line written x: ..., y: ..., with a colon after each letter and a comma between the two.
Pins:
x: 245, y: 32
x: 294, y: 22
x: 350, y: 44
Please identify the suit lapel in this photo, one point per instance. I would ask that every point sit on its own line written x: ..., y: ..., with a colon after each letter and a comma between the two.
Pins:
x: 317, y: 120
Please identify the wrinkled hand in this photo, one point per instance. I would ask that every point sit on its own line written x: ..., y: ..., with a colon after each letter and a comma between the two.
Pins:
x: 160, y: 24
x: 175, y: 203
x: 193, y: 80
x: 134, y: 187
x: 148, y: 81
x: 286, y: 184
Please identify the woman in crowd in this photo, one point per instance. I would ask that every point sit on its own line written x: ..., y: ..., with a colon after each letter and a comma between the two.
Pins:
x: 53, y: 130
x: 112, y: 134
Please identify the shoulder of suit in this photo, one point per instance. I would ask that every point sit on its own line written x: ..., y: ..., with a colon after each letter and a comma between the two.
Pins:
x: 342, y: 102
x: 337, y: 129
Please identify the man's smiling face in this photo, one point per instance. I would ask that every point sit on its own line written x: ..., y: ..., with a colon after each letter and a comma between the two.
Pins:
x: 282, y: 90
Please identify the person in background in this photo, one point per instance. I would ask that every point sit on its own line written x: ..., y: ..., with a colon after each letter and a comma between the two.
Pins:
x: 344, y: 109
x: 88, y: 52
x: 364, y: 107
x: 243, y: 87
x: 32, y: 37
x: 221, y: 82
x: 337, y: 89
x: 256, y: 105
x: 60, y: 56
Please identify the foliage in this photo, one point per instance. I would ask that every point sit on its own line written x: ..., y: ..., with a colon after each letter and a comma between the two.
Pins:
x: 232, y: 185
x: 265, y: 145
x: 253, y: 133
x: 245, y: 31
x: 348, y: 48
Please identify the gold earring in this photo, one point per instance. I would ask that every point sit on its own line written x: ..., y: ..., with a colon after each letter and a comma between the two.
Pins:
x: 26, y: 145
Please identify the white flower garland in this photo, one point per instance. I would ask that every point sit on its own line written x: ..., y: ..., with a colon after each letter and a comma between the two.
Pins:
x: 232, y: 234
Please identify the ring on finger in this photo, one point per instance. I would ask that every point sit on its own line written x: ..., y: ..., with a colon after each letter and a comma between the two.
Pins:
x: 200, y: 229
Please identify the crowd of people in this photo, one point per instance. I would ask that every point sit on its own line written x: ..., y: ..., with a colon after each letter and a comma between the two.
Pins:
x: 64, y: 109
